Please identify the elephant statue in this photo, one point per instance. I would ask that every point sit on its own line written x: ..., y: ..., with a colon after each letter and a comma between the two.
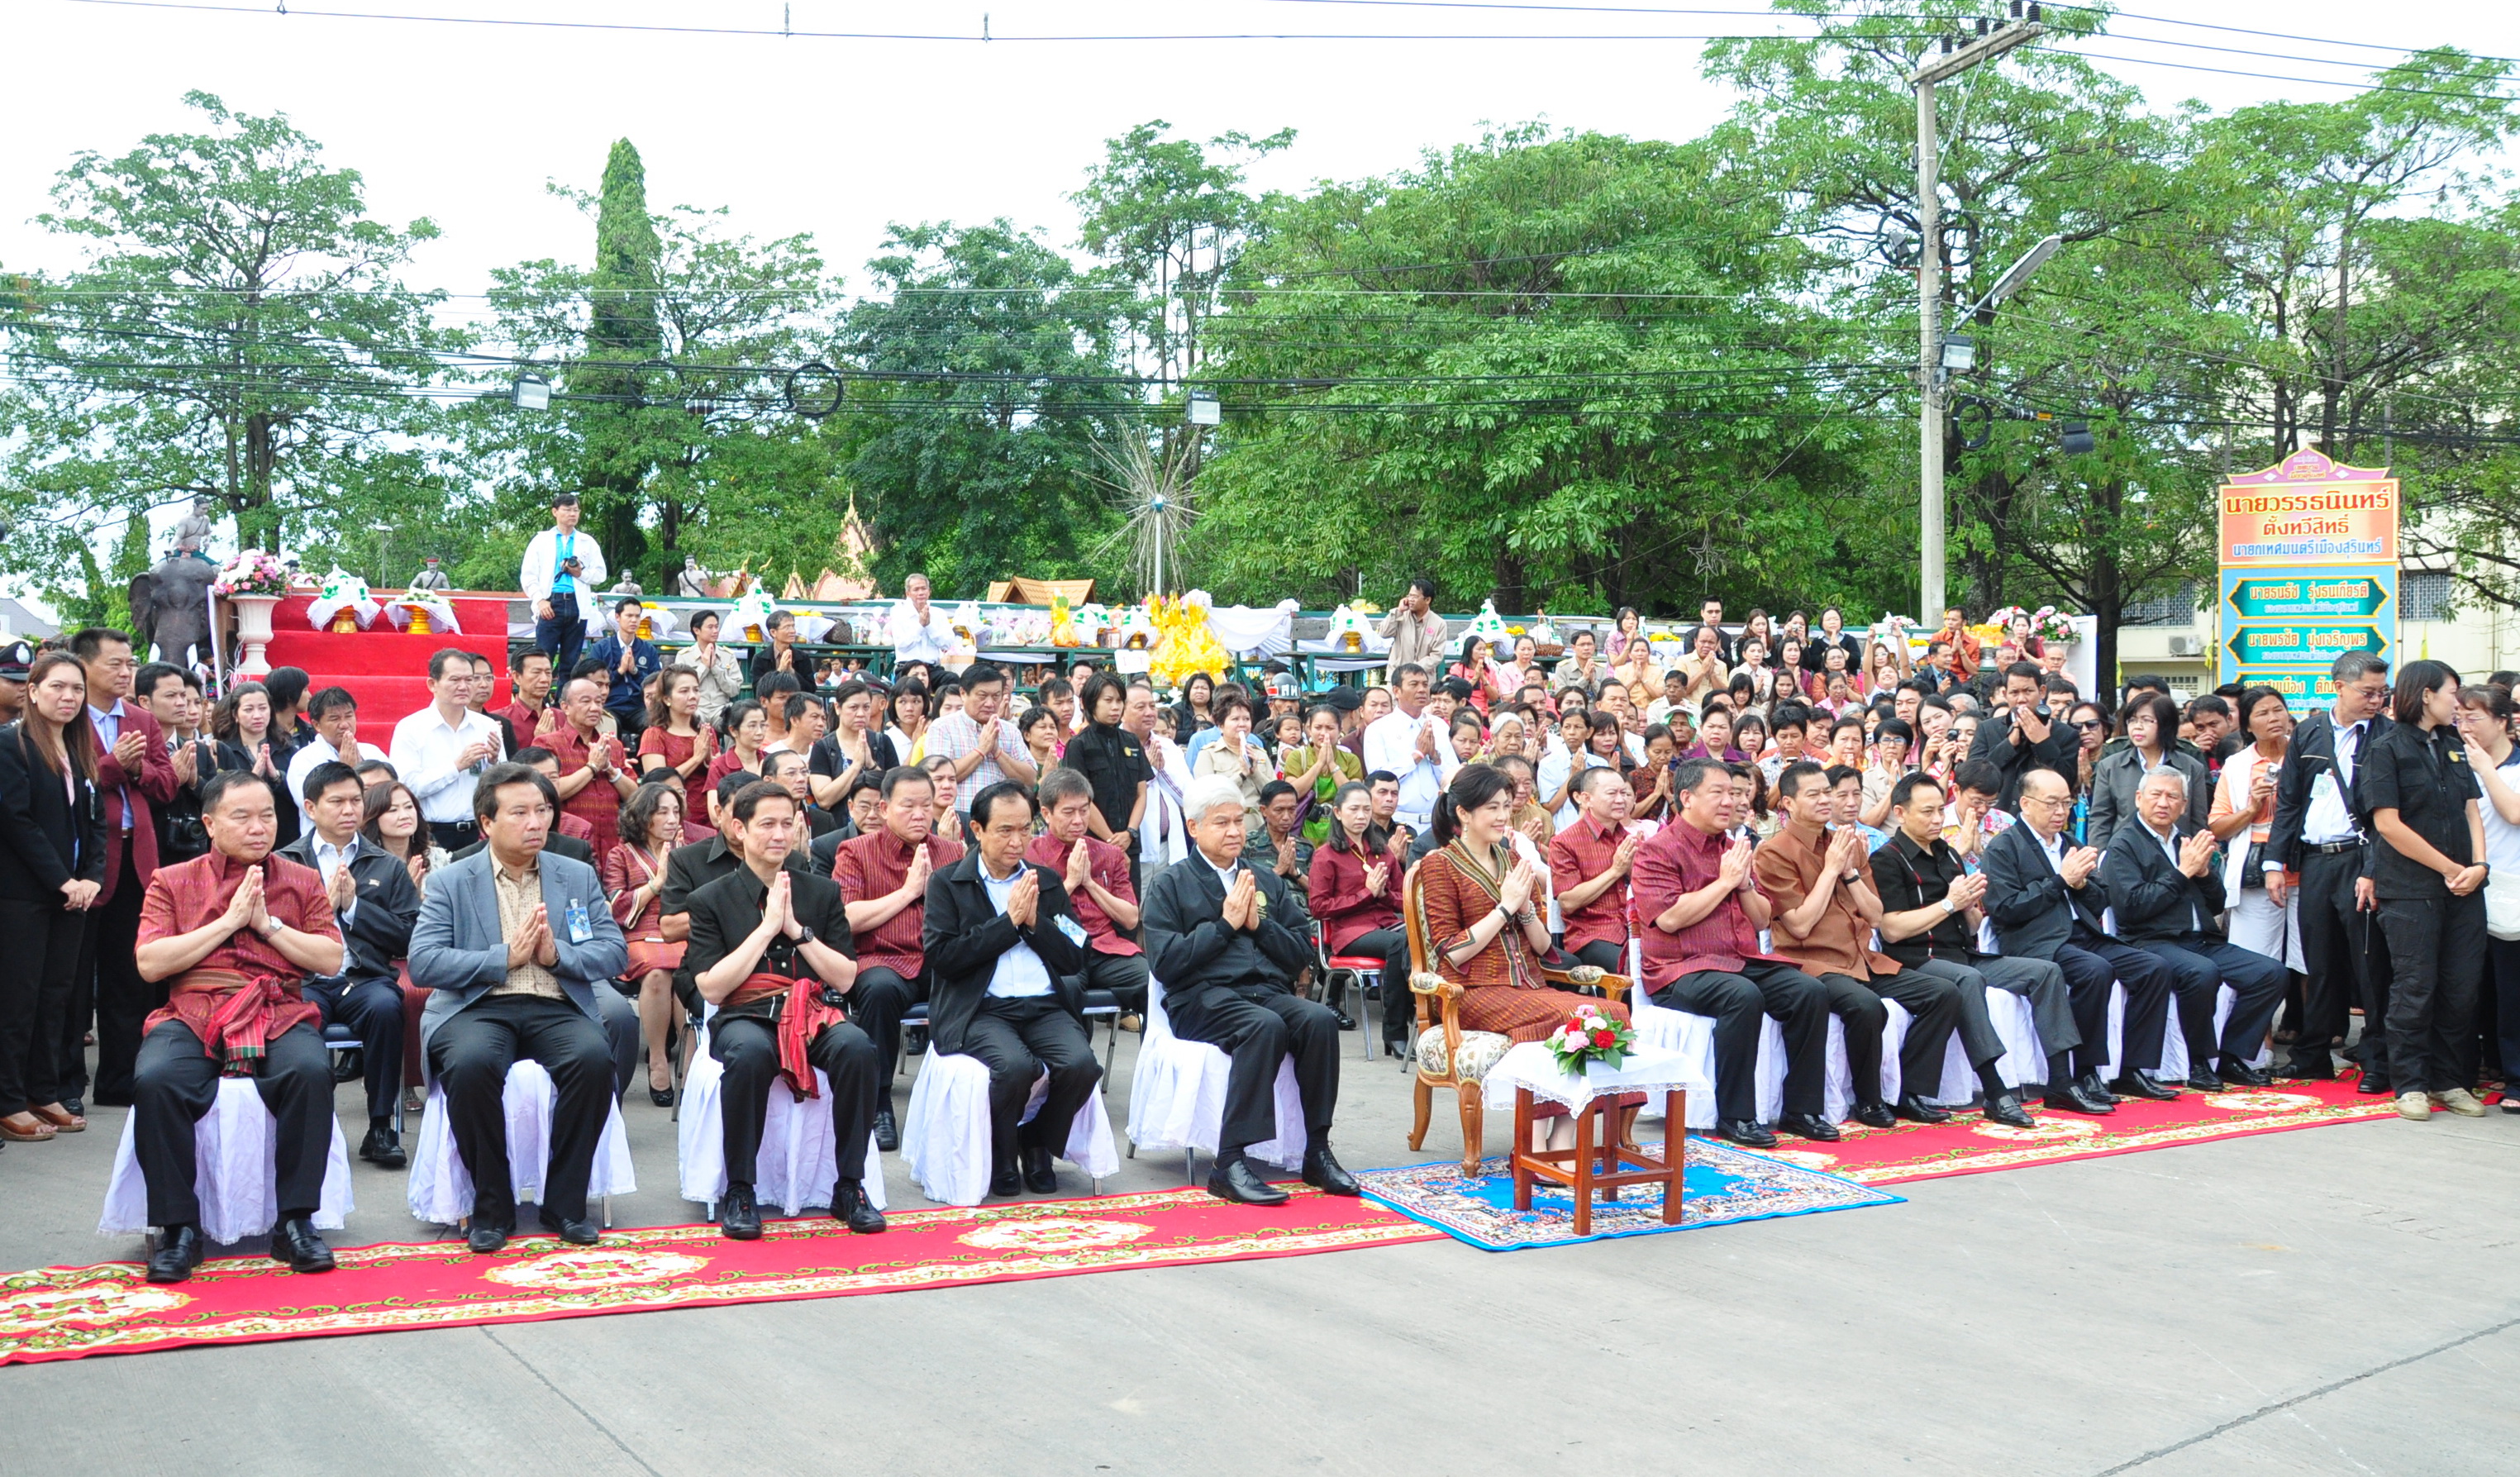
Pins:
x: 170, y: 608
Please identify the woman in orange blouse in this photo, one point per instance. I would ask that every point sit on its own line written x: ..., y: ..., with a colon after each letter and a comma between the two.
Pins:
x: 634, y: 879
x: 1479, y: 917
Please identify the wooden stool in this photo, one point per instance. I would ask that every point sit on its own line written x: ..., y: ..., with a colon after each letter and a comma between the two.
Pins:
x: 1580, y: 1168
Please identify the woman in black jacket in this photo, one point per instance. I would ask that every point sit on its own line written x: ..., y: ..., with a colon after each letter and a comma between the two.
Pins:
x: 52, y: 866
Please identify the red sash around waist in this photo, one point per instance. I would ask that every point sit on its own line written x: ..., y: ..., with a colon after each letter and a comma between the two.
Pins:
x: 801, y: 1018
x: 235, y: 1015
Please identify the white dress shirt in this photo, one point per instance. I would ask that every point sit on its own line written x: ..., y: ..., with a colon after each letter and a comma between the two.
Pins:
x: 319, y: 751
x: 1021, y: 974
x: 329, y: 859
x: 423, y: 750
x: 541, y: 567
x: 1391, y: 743
x: 2327, y: 818
x: 914, y: 640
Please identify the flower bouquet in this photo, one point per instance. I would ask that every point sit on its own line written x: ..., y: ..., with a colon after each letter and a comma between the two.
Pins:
x: 1587, y: 1036
x: 256, y: 571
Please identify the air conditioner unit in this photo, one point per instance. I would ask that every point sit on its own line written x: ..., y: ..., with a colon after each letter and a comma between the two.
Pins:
x: 2187, y: 645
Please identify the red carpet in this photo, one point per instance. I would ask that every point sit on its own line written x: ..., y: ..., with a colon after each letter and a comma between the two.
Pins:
x: 1968, y: 1144
x: 387, y: 669
x: 74, y: 1311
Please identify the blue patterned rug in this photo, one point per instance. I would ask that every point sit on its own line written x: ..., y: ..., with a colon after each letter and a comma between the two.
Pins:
x: 1724, y: 1185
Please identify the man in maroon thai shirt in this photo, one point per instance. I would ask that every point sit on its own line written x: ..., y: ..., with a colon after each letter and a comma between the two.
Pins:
x: 1590, y: 861
x: 593, y: 776
x: 237, y: 930
x: 1097, y: 887
x: 883, y: 878
x: 1701, y: 912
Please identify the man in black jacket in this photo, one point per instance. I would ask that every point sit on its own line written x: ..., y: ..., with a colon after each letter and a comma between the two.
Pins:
x: 1225, y: 940
x: 1002, y: 946
x: 2322, y: 831
x: 376, y: 904
x: 2043, y: 897
x: 2160, y: 878
x: 2026, y: 736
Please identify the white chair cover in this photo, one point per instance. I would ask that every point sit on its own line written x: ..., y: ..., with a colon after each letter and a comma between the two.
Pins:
x: 1669, y: 1030
x: 794, y: 1169
x: 1177, y: 1096
x: 2174, y: 1040
x: 235, y: 1173
x: 945, y: 1139
x: 440, y: 1191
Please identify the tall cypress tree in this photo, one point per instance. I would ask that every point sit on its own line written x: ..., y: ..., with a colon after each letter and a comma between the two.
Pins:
x: 621, y: 332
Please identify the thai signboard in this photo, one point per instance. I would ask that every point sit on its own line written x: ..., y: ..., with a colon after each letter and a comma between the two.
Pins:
x: 2308, y: 573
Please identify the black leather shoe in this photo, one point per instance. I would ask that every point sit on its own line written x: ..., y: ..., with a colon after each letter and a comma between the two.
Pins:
x: 2240, y: 1074
x: 294, y: 1242
x: 1040, y: 1171
x: 2005, y: 1107
x: 484, y: 1238
x: 888, y: 1134
x: 2075, y: 1096
x: 2203, y: 1079
x: 2096, y: 1089
x: 383, y: 1147
x: 1810, y: 1126
x: 1876, y: 1115
x: 1005, y: 1182
x: 1916, y: 1109
x: 2145, y: 1085
x: 2372, y: 1084
x: 1346, y: 1022
x: 349, y: 1066
x: 179, y: 1251
x: 849, y: 1207
x: 1748, y: 1133
x: 1240, y: 1183
x: 1323, y: 1172
x: 74, y: 1107
x: 2298, y: 1070
x: 579, y: 1233
x: 662, y: 1097
x: 739, y: 1215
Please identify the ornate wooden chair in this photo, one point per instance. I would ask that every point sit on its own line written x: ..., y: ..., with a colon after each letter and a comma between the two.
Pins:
x: 1451, y: 1057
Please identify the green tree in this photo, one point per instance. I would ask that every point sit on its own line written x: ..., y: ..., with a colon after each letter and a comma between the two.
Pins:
x: 240, y: 331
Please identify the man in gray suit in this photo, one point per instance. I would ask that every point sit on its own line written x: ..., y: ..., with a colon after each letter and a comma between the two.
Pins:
x: 513, y: 942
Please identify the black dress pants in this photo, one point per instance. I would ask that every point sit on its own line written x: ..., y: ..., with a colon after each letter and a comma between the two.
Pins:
x: 877, y: 1003
x: 1932, y: 1001
x: 471, y: 1054
x: 1259, y: 1024
x: 1799, y: 1003
x: 2089, y: 973
x: 174, y: 1082
x: 2336, y: 943
x: 122, y: 1000
x: 2437, y: 962
x: 1605, y: 955
x: 1016, y: 1040
x: 38, y: 974
x: 2200, y: 965
x: 748, y: 1050
x: 373, y: 1011
x: 1124, y: 975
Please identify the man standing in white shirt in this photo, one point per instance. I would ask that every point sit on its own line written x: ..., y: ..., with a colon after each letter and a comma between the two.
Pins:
x: 920, y: 631
x: 1411, y: 743
x: 562, y: 566
x: 334, y: 714
x: 441, y: 750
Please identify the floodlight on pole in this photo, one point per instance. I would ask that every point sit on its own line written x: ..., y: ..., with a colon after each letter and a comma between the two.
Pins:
x: 1950, y: 63
x: 531, y: 392
x: 1205, y: 410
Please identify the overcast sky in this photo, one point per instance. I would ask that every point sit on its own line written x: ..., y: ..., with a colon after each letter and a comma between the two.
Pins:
x: 464, y: 123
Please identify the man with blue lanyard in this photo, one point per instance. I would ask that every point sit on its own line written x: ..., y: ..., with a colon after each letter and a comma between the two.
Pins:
x: 561, y: 566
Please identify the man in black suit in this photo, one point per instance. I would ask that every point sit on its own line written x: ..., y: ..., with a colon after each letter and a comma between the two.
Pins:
x: 2322, y: 831
x: 2043, y: 897
x: 1002, y: 947
x: 1226, y: 940
x: 2025, y: 736
x: 770, y: 947
x: 2161, y: 879
x: 375, y: 903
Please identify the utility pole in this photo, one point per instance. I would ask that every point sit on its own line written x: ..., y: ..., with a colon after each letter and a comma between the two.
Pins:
x: 1989, y: 44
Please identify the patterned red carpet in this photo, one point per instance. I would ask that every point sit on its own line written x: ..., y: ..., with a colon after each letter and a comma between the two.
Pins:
x: 1968, y: 1144
x: 74, y: 1311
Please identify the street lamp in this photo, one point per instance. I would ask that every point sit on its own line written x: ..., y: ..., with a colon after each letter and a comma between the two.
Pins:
x: 531, y: 392
x: 1986, y: 47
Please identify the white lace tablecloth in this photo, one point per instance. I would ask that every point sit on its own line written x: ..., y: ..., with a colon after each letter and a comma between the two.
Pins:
x: 1529, y: 1065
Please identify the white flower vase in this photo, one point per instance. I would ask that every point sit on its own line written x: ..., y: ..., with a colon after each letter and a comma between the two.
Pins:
x: 253, y: 633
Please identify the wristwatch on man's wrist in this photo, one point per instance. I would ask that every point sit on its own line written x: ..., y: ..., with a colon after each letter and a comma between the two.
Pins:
x: 804, y: 936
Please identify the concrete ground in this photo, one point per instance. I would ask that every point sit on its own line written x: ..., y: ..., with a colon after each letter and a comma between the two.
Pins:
x: 2332, y: 1301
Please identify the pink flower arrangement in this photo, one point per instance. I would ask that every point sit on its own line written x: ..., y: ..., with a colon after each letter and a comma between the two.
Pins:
x: 1587, y: 1036
x: 256, y: 571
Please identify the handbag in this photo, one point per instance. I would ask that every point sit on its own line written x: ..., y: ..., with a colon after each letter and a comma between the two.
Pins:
x: 2502, y: 905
